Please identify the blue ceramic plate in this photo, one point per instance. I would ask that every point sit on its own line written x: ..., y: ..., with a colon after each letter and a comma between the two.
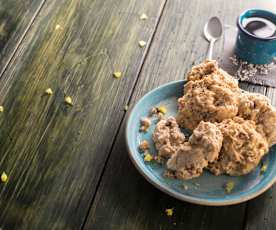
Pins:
x: 206, y: 189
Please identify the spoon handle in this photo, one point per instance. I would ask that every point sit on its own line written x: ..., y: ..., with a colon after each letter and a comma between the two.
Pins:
x: 210, y: 49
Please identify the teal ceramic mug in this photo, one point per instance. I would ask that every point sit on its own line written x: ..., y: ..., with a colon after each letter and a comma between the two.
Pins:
x: 253, y: 47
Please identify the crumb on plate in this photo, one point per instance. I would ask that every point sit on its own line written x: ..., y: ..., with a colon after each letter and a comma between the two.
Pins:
x: 162, y: 109
x: 185, y: 187
x: 148, y: 157
x: 158, y: 159
x: 160, y: 116
x: 143, y: 129
x: 169, y: 174
x: 144, y: 145
x: 153, y: 111
x: 263, y: 168
x: 229, y: 186
x: 145, y: 122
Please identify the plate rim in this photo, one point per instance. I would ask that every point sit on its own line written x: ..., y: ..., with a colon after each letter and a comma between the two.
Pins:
x: 151, y: 179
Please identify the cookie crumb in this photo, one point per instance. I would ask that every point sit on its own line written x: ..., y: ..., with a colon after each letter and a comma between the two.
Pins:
x: 229, y: 186
x: 58, y: 27
x: 247, y: 71
x: 185, y: 187
x: 125, y: 108
x: 4, y: 177
x: 158, y: 159
x: 169, y: 211
x: 144, y: 145
x: 169, y: 174
x: 263, y: 168
x: 68, y: 100
x: 143, y: 16
x: 142, y: 43
x: 145, y: 122
x: 148, y: 157
x: 49, y: 91
x: 160, y: 116
x: 117, y: 74
x: 162, y: 109
x: 153, y: 111
x: 143, y: 129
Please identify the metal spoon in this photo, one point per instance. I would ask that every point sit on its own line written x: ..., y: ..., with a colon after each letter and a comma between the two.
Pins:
x: 212, y: 32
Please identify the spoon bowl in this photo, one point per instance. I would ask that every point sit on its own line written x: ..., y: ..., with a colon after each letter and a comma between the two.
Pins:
x: 212, y: 32
x: 213, y: 29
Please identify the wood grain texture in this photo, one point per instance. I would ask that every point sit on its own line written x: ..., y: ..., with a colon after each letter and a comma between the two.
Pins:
x: 124, y: 199
x: 262, y: 210
x: 16, y: 17
x: 53, y: 153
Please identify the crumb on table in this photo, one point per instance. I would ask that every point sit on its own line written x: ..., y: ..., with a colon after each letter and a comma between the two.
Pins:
x: 142, y: 43
x: 126, y: 108
x: 143, y: 16
x: 68, y: 100
x: 58, y: 27
x: 169, y: 211
x: 4, y: 177
x: 49, y: 91
x: 117, y: 74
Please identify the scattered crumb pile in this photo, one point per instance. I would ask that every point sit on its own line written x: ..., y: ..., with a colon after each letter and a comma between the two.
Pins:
x: 248, y: 71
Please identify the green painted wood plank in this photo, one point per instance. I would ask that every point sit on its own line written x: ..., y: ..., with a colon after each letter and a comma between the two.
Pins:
x: 16, y: 17
x: 124, y: 199
x: 53, y: 153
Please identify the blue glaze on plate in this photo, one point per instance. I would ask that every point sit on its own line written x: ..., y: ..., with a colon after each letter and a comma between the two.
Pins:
x: 210, y: 190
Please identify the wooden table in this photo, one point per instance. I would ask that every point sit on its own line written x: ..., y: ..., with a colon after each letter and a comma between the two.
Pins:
x: 68, y: 166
